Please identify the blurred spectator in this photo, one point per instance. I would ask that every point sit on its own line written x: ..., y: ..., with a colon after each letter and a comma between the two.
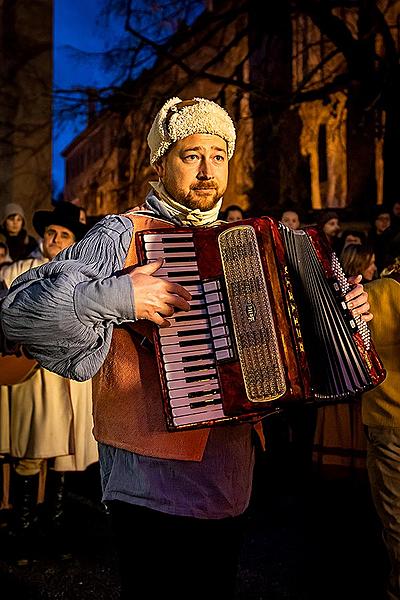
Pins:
x: 381, y: 418
x: 291, y: 219
x: 5, y: 258
x: 328, y: 223
x: 233, y: 213
x: 359, y: 259
x: 380, y: 237
x: 20, y: 244
x: 395, y: 216
x: 350, y: 236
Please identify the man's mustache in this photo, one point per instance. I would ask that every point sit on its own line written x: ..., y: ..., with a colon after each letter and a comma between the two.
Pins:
x: 206, y: 185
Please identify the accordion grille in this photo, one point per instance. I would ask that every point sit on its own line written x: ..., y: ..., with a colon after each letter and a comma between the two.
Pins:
x: 250, y: 307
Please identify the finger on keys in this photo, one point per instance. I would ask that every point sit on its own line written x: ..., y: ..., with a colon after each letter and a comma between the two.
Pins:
x: 151, y: 267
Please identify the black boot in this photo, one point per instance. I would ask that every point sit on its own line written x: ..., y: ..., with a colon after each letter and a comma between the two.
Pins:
x: 26, y: 531
x: 55, y: 514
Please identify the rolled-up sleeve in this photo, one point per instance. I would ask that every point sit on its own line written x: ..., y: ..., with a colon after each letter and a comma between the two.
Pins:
x: 64, y: 311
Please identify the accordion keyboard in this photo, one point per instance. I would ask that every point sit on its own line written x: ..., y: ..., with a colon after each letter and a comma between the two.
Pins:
x: 196, y: 340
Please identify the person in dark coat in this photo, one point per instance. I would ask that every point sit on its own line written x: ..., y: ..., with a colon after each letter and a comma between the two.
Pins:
x: 20, y: 244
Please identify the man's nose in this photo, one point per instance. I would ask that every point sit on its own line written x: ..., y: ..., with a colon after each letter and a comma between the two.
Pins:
x: 205, y: 170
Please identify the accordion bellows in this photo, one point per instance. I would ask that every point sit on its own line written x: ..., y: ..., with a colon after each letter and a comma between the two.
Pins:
x: 268, y: 325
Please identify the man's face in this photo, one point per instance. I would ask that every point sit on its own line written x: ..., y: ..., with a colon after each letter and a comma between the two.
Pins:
x: 55, y: 239
x: 331, y: 228
x: 14, y: 224
x: 291, y: 219
x: 195, y: 170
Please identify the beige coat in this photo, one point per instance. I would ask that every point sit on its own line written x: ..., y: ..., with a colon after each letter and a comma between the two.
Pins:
x: 47, y: 416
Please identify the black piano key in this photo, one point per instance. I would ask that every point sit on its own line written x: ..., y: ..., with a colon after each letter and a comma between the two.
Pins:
x: 200, y: 393
x: 188, y: 317
x: 204, y: 403
x: 198, y: 368
x: 206, y: 376
x: 186, y: 343
x: 196, y: 357
x: 190, y: 332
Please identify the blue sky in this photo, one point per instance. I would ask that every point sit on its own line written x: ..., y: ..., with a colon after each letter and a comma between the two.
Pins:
x: 76, y: 27
x: 80, y: 38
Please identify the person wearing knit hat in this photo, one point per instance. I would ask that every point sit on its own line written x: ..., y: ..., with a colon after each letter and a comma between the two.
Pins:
x: 187, y: 487
x: 12, y: 221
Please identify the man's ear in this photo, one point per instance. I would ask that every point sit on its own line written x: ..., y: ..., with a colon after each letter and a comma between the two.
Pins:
x: 159, y: 168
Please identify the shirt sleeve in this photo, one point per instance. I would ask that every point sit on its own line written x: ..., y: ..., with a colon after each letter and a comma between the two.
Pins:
x: 64, y: 311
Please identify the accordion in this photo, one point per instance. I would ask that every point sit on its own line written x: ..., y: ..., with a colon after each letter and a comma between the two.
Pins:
x: 268, y: 324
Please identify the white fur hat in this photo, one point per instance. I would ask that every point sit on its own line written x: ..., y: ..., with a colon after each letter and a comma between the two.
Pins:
x: 178, y: 119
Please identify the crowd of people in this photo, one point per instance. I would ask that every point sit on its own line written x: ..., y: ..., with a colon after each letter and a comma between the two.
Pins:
x: 84, y: 311
x: 45, y: 420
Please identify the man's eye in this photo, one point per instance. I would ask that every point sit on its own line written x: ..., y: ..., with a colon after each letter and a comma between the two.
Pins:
x: 219, y: 158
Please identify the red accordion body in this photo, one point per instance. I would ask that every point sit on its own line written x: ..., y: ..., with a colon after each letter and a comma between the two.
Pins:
x: 247, y: 347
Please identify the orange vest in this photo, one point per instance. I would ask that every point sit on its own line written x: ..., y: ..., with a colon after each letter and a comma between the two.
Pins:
x: 127, y: 404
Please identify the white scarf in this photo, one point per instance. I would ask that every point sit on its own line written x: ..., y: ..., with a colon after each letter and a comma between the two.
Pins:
x: 192, y: 218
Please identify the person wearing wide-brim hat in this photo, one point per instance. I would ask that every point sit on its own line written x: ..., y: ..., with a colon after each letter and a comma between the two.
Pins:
x: 65, y: 215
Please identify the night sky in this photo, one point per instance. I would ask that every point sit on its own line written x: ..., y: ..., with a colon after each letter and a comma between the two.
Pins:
x: 77, y: 27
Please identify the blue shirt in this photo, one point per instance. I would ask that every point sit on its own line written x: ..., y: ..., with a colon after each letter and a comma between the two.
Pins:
x: 64, y: 313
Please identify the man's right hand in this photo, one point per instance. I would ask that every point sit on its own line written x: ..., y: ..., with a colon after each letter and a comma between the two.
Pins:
x: 157, y: 298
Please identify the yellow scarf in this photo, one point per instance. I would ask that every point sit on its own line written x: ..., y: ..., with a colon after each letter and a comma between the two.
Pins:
x: 192, y: 218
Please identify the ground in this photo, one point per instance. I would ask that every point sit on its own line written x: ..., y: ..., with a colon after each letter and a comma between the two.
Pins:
x: 309, y: 536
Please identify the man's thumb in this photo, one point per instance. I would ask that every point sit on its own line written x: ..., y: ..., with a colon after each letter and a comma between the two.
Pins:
x: 151, y: 267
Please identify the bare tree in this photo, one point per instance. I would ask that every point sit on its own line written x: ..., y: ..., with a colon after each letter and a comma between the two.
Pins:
x: 168, y: 39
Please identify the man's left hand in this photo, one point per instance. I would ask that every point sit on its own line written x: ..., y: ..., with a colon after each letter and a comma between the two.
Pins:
x: 357, y: 299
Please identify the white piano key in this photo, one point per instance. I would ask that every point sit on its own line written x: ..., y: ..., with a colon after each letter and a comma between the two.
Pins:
x: 160, y: 237
x: 174, y: 329
x: 175, y: 270
x: 207, y: 370
x: 176, y: 349
x: 181, y: 412
x: 218, y: 413
x: 201, y: 387
x: 213, y: 400
x: 183, y: 326
x: 178, y: 365
x: 152, y: 246
x: 187, y: 356
x: 178, y: 340
x: 181, y: 279
x: 196, y: 312
x: 158, y: 254
x: 176, y: 384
